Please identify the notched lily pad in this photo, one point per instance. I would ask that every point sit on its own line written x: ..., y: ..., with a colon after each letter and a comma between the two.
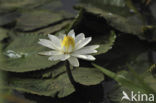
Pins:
x: 21, y: 55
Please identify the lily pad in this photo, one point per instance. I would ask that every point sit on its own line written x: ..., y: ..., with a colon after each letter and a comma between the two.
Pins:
x: 14, y: 4
x: 38, y: 19
x: 54, y: 28
x: 21, y: 54
x: 59, y: 86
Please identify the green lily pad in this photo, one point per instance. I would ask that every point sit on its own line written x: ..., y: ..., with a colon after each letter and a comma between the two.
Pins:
x: 36, y: 19
x: 21, y: 55
x: 87, y: 76
x: 13, y: 4
x: 54, y: 28
x: 59, y: 86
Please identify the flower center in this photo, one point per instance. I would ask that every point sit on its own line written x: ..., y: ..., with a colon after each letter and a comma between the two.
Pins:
x: 68, y: 44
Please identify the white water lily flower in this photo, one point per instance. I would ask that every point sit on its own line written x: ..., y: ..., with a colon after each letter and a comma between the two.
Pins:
x: 69, y: 47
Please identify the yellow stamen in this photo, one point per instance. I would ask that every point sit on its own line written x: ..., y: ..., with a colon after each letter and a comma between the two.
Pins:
x: 68, y: 42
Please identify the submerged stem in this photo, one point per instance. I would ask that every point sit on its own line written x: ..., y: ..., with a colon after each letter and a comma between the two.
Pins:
x: 69, y: 73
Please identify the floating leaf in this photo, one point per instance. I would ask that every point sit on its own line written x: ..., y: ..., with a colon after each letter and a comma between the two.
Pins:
x: 36, y: 19
x: 59, y: 85
x: 88, y: 76
x: 14, y: 4
x: 52, y: 5
x: 21, y: 54
x: 54, y: 28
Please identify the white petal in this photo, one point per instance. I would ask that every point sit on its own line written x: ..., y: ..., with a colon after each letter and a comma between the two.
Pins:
x: 73, y: 61
x: 86, y: 57
x: 79, y: 37
x: 47, y: 43
x: 65, y: 57
x: 72, y: 33
x: 92, y: 47
x: 87, y: 50
x: 55, y: 40
x: 83, y: 43
x: 59, y: 57
x: 50, y: 53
